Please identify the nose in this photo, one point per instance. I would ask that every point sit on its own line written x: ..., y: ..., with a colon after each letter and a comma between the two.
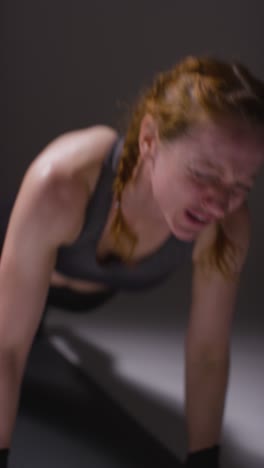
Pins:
x: 216, y: 202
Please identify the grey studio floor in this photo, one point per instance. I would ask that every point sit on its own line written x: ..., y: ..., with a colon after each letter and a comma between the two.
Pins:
x: 111, y: 395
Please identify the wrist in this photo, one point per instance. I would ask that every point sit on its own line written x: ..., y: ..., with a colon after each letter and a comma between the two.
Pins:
x: 207, y: 458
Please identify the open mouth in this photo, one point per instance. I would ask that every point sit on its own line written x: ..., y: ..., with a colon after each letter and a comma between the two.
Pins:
x: 196, y: 219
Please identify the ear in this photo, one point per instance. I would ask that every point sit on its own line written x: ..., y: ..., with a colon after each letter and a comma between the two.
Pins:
x: 148, y: 139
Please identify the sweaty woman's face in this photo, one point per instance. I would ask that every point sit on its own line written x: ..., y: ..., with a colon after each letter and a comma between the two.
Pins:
x: 206, y: 174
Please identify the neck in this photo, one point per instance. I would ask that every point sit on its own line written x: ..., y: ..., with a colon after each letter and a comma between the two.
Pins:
x: 139, y: 205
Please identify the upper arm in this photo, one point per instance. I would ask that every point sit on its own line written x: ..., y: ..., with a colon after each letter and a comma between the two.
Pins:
x: 28, y: 257
x: 213, y: 295
x: 48, y: 212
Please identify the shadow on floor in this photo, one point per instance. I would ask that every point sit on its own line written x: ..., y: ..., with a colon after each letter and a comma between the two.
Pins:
x: 66, y: 420
x: 144, y: 402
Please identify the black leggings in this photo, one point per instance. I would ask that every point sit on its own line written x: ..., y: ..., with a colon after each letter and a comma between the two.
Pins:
x: 61, y: 297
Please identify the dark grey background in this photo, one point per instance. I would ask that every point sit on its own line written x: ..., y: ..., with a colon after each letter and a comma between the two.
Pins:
x: 70, y: 64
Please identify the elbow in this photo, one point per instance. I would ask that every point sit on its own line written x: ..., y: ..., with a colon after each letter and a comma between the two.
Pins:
x: 212, y: 362
x: 210, y: 355
x: 208, y: 363
x: 12, y: 360
x: 10, y: 364
x: 12, y: 354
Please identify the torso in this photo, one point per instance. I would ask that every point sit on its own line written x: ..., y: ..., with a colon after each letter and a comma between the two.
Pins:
x: 105, y: 247
x: 149, y: 239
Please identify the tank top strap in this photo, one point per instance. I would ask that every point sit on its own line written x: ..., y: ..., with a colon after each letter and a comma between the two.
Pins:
x: 100, y: 202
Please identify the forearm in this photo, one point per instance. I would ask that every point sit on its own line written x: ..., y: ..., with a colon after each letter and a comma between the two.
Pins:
x: 10, y: 382
x: 205, y: 392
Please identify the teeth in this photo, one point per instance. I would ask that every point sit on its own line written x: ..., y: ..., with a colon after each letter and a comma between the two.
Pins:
x: 199, y: 218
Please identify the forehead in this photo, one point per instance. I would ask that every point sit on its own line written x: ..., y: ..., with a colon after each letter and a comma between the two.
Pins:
x: 229, y: 144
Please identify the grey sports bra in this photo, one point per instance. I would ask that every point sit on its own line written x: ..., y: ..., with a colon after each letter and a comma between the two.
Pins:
x: 79, y: 259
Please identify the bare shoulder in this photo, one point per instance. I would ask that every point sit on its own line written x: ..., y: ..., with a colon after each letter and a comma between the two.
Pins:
x: 236, y: 226
x: 58, y: 183
x: 77, y: 151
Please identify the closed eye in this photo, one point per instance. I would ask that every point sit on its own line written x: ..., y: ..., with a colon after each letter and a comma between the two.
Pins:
x: 203, y: 176
x: 210, y: 178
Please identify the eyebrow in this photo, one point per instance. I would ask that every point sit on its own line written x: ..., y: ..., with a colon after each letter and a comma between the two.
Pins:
x: 211, y: 165
x: 217, y: 168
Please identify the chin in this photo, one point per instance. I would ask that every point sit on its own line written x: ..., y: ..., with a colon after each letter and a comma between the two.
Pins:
x: 182, y: 233
x: 184, y: 236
